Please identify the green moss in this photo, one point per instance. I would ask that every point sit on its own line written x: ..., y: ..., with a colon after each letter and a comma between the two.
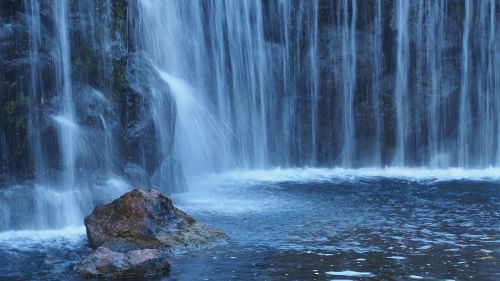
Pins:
x: 120, y: 17
x: 84, y: 65
x: 118, y: 77
x: 9, y: 108
x: 13, y: 112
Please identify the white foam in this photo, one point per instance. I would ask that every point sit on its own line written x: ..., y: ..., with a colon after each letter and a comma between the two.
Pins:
x: 349, y: 273
x: 227, y: 192
x: 37, y: 236
x: 332, y: 174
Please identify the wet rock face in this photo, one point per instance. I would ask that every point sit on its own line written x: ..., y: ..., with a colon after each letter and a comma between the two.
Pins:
x: 144, y: 219
x: 137, y: 263
x: 149, y: 111
x: 112, y: 85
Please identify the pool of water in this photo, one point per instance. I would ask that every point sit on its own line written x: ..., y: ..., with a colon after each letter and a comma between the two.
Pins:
x: 324, y: 227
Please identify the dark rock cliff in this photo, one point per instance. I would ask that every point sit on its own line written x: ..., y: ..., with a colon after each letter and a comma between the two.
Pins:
x: 110, y: 82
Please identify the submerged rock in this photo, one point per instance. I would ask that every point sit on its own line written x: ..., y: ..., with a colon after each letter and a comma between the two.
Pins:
x: 143, y: 219
x: 104, y: 262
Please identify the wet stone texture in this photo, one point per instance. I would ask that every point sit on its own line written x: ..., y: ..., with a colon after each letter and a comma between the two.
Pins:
x: 106, y: 263
x: 134, y: 233
x: 146, y: 219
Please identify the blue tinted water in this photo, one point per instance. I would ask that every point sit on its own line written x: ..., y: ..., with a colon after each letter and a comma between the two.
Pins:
x: 331, y: 228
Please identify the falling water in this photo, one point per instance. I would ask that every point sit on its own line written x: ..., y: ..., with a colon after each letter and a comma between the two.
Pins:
x: 68, y: 129
x: 255, y: 85
x: 33, y: 8
x: 401, y: 90
x: 64, y: 152
x: 349, y: 75
x: 377, y: 75
x: 434, y: 49
x: 245, y: 75
x: 195, y: 123
x: 236, y: 94
x: 494, y: 70
x: 485, y: 78
x: 314, y: 79
x: 464, y: 115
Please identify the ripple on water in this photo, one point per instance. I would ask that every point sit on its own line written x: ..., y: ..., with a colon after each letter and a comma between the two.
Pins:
x: 349, y: 273
x: 396, y: 258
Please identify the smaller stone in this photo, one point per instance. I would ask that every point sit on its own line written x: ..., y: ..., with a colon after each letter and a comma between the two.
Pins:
x: 103, y: 263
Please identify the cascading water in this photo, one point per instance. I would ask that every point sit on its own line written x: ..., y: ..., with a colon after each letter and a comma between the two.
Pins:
x: 464, y: 119
x: 255, y: 85
x: 245, y: 75
x: 348, y: 52
x: 433, y: 52
x: 195, y: 123
x: 376, y: 84
x: 60, y: 146
x: 33, y: 125
x: 68, y: 127
x: 235, y: 135
x: 401, y: 90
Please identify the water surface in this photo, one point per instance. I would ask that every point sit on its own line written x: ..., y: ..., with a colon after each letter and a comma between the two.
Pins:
x: 311, y: 228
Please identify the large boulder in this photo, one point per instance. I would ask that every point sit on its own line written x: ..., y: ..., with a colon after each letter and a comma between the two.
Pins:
x: 134, y: 234
x: 143, y: 219
x: 104, y: 262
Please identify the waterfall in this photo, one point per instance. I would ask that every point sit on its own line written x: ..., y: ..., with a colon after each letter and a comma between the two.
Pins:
x: 228, y: 69
x: 485, y: 78
x: 198, y: 132
x: 349, y: 77
x: 33, y: 8
x: 401, y: 90
x: 314, y: 78
x: 298, y: 41
x: 464, y: 115
x: 65, y: 152
x: 433, y: 53
x: 494, y: 70
x: 376, y: 85
x: 250, y: 62
x: 226, y: 84
x: 68, y: 127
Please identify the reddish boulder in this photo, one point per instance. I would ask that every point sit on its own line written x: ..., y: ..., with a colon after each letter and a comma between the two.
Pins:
x: 143, y: 219
x: 134, y: 233
x: 104, y: 263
